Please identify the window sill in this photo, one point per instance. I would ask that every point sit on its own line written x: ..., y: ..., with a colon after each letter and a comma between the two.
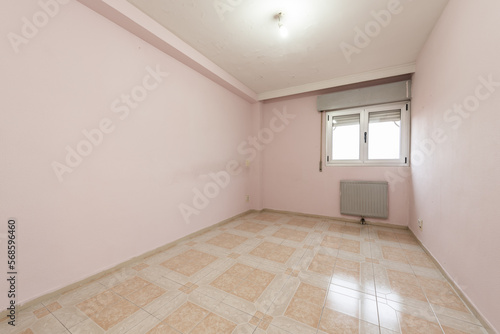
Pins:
x: 398, y: 164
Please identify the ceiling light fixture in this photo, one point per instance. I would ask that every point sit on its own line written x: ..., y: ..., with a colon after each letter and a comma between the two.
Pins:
x: 282, y: 28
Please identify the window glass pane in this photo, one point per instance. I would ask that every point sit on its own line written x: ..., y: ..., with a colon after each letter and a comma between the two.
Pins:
x: 384, y: 133
x: 345, y: 137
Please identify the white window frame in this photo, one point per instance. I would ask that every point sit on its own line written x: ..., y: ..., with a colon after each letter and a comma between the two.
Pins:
x: 363, y: 112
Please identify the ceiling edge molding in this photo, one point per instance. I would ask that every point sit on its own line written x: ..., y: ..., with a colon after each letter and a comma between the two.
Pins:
x: 139, y: 24
x: 340, y: 81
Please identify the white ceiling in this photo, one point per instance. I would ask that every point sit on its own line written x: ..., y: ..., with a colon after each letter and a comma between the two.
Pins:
x: 242, y: 37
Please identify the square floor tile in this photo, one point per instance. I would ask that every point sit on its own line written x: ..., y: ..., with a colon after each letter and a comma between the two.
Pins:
x: 322, y: 264
x: 311, y: 294
x: 411, y: 324
x: 145, y: 295
x: 251, y: 227
x: 269, y: 217
x: 130, y: 285
x: 289, y: 234
x: 336, y: 322
x: 331, y: 242
x: 343, y: 229
x: 273, y: 252
x: 302, y: 223
x: 186, y: 317
x: 189, y: 262
x: 112, y: 314
x: 304, y: 312
x: 227, y: 240
x: 214, y: 324
x: 244, y: 281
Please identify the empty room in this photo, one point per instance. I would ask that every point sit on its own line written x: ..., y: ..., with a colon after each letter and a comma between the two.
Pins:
x: 250, y: 166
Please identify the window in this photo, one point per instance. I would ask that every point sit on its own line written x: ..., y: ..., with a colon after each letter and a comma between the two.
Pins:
x: 374, y: 136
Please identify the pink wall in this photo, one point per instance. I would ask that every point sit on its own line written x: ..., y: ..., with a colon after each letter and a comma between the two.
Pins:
x: 291, y: 180
x: 456, y: 184
x: 123, y: 199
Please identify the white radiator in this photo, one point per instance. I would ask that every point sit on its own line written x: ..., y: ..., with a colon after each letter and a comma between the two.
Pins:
x: 364, y: 199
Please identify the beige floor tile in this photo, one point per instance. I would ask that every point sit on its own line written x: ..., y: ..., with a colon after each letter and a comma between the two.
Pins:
x: 85, y: 327
x: 226, y: 282
x: 27, y: 331
x: 390, y: 313
x: 251, y: 227
x: 441, y: 293
x: 302, y: 223
x: 387, y: 236
x: 394, y: 254
x: 162, y: 328
x: 311, y: 294
x: 336, y: 322
x: 48, y: 325
x: 273, y: 252
x: 41, y: 312
x: 130, y: 322
x: 269, y: 217
x: 331, y: 241
x: 292, y: 326
x: 189, y: 262
x: 140, y: 266
x: 260, y: 277
x: 322, y: 264
x: 186, y: 317
x: 345, y: 229
x: 352, y: 246
x: 98, y: 303
x: 240, y: 270
x: 70, y: 316
x: 111, y: 315
x: 248, y: 291
x: 145, y: 295
x: 169, y: 307
x: 453, y: 325
x: 130, y: 286
x: 290, y: 234
x: 411, y: 324
x: 353, y: 303
x: 214, y: 324
x: 419, y: 258
x: 304, y: 312
x: 232, y: 314
x: 227, y: 240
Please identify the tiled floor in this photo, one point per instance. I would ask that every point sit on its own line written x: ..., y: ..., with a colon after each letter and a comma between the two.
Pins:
x: 267, y: 273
